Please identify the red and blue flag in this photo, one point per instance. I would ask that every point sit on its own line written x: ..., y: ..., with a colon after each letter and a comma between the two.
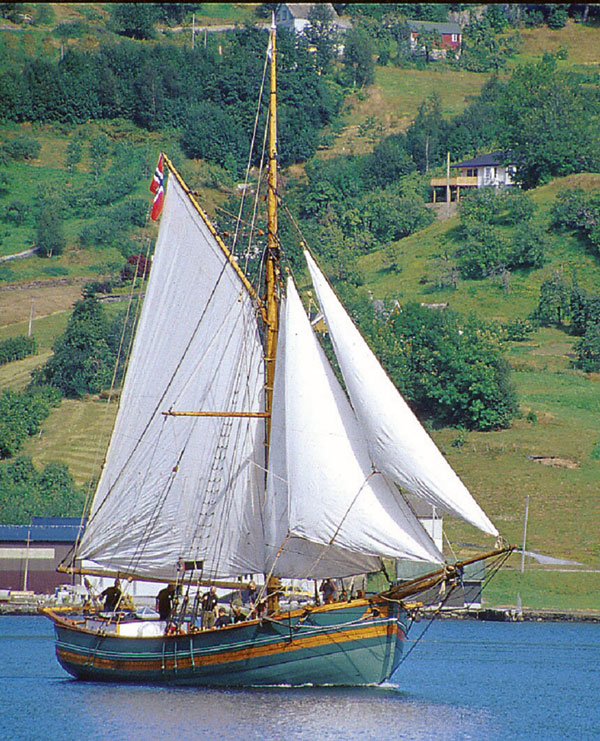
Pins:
x: 157, y: 187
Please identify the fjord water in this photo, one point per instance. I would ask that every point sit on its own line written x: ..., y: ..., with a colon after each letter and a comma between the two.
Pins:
x: 463, y: 680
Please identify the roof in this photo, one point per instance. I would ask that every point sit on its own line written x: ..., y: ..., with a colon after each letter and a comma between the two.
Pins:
x: 486, y: 160
x: 43, y: 530
x: 302, y: 10
x: 430, y: 26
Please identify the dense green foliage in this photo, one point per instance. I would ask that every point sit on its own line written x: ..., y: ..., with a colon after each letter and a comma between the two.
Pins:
x: 85, y: 355
x: 26, y: 492
x: 17, y: 348
x: 450, y: 369
x: 563, y: 301
x: 550, y: 123
x: 163, y: 85
x: 487, y: 248
x: 21, y: 414
x: 580, y: 212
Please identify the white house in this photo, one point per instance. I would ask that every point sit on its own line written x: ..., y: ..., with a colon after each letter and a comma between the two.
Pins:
x: 493, y: 169
x: 294, y: 17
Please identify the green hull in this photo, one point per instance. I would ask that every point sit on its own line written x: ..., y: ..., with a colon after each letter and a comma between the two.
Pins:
x: 342, y: 644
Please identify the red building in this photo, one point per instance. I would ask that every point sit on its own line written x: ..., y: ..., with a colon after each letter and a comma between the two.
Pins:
x: 448, y: 38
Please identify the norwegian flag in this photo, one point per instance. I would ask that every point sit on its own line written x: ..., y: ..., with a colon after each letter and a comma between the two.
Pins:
x: 157, y: 187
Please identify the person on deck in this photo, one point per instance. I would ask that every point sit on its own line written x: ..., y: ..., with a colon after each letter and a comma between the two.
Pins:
x: 238, y: 615
x: 164, y: 601
x: 251, y: 595
x: 112, y: 596
x: 329, y: 589
x: 223, y: 619
x: 208, y: 604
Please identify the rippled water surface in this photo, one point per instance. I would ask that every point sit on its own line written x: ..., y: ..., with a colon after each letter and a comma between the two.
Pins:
x: 464, y: 680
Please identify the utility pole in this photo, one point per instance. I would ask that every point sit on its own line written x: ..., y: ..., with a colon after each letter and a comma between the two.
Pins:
x: 448, y: 196
x: 524, y: 533
x: 25, y: 575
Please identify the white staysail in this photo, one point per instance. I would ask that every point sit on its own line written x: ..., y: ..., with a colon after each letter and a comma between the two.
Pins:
x: 340, y: 514
x: 398, y: 445
x: 186, y: 487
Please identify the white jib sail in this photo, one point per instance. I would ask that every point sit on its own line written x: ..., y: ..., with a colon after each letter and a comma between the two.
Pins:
x: 186, y: 487
x: 334, y: 497
x: 398, y: 445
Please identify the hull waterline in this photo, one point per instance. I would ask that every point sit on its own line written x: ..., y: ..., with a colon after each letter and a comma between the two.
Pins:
x: 342, y: 644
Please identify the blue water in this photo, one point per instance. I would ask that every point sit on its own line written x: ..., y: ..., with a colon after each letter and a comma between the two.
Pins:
x: 464, y: 680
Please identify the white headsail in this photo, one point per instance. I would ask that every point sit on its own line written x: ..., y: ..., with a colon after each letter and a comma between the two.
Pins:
x: 340, y: 514
x: 186, y: 487
x: 399, y: 447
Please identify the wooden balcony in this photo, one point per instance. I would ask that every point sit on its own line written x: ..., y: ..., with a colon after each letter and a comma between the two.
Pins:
x: 456, y: 181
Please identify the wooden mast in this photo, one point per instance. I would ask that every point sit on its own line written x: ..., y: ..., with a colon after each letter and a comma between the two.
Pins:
x: 272, y: 277
x: 272, y: 273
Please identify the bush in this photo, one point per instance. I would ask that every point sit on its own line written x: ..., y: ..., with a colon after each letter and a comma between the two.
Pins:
x: 100, y: 233
x: 22, y: 147
x: 519, y: 330
x: 588, y: 350
x: 21, y: 415
x: 84, y: 356
x: 26, y: 492
x: 211, y: 133
x: 17, y: 348
x: 16, y: 212
x: 568, y: 209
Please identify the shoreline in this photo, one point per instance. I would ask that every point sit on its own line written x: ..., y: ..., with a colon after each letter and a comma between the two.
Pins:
x: 491, y: 614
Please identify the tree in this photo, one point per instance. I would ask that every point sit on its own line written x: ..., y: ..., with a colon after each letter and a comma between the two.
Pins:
x: 83, y: 360
x: 425, y: 137
x: 483, y: 49
x: 99, y: 149
x: 322, y: 34
x: 359, y: 66
x: 135, y: 20
x: 26, y: 492
x: 588, y: 350
x: 554, y: 301
x: 73, y: 153
x: 210, y: 133
x: 389, y: 161
x: 450, y: 369
x: 50, y: 238
x: 585, y: 310
x: 428, y: 42
x: 550, y: 123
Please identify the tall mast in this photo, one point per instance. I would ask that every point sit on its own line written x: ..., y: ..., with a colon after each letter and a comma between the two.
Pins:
x: 273, y: 279
x: 272, y: 263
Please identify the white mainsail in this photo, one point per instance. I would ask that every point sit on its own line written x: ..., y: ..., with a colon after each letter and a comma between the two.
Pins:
x: 399, y: 447
x: 186, y: 487
x: 321, y: 487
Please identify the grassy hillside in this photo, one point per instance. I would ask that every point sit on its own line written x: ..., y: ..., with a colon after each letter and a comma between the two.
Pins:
x: 550, y: 454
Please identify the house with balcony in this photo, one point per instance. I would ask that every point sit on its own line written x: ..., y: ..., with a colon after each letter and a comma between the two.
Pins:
x: 494, y: 169
x: 448, y: 35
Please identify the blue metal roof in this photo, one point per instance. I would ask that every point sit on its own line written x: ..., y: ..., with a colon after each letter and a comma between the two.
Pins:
x: 43, y: 530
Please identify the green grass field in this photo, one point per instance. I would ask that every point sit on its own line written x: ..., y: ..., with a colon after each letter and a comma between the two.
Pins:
x: 547, y: 454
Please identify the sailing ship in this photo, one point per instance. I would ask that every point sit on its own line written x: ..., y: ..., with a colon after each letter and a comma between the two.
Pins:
x: 237, y: 451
